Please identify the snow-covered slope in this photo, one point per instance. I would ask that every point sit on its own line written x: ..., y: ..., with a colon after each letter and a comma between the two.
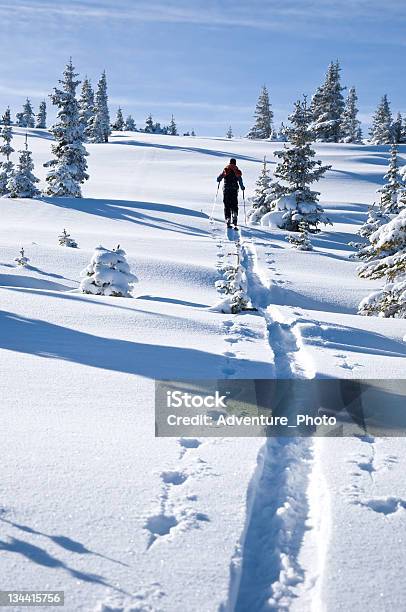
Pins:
x: 90, y: 501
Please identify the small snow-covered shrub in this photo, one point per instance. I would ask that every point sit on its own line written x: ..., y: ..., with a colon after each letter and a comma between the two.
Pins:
x: 108, y: 274
x: 22, y: 260
x: 234, y: 286
x: 66, y: 240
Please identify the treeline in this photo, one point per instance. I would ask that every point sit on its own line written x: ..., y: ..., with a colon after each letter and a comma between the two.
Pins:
x: 333, y: 117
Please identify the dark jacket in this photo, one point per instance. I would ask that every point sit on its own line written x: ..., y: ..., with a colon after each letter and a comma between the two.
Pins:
x: 232, y: 176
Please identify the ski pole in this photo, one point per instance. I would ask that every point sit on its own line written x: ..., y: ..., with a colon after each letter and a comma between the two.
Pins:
x: 215, y: 201
x: 245, y: 214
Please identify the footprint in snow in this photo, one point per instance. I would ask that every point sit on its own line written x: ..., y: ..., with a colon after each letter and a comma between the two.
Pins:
x: 385, y: 505
x: 174, y: 477
x: 159, y: 525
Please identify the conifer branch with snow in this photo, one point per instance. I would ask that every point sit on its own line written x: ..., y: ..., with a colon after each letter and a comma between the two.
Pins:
x: 388, y: 244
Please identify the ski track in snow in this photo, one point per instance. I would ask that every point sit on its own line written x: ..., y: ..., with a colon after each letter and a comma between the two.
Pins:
x: 265, y: 571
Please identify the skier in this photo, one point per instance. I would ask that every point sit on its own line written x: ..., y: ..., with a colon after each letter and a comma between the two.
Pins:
x: 232, y: 176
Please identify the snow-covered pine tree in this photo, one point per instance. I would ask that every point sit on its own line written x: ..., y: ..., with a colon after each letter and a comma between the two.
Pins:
x: 119, y: 123
x: 263, y: 127
x: 393, y: 187
x: 22, y: 260
x: 86, y: 108
x: 193, y: 133
x: 301, y: 240
x: 389, y: 245
x: 229, y: 133
x: 327, y: 106
x: 266, y: 191
x: 375, y: 219
x: 149, y: 125
x: 41, y: 118
x: 397, y: 127
x: 298, y: 169
x: 172, y: 129
x: 66, y: 240
x: 68, y: 168
x: 282, y: 133
x: 130, y: 124
x: 26, y: 118
x: 108, y: 274
x: 23, y: 182
x: 381, y: 131
x: 6, y: 167
x: 99, y: 125
x: 350, y: 127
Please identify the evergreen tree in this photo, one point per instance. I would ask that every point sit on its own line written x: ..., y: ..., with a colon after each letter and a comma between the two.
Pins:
x: 266, y: 191
x: 263, y: 117
x: 22, y: 183
x: 193, y: 133
x: 393, y: 186
x: 22, y: 260
x: 350, y: 129
x: 389, y: 245
x: 381, y: 130
x: 299, y: 170
x: 119, y: 123
x: 26, y: 117
x: 149, y: 125
x: 172, y: 129
x: 66, y: 240
x: 108, y: 274
x: 99, y: 126
x: 282, y: 133
x: 86, y: 108
x: 397, y: 129
x: 229, y: 133
x: 327, y: 106
x: 68, y: 169
x: 41, y: 118
x: 130, y: 124
x: 6, y: 167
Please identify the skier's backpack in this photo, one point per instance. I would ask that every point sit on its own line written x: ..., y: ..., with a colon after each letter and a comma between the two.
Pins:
x: 230, y: 180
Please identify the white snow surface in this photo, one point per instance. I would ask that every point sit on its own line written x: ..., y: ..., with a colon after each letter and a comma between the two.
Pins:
x: 90, y: 501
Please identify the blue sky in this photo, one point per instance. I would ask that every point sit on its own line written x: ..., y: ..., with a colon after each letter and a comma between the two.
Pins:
x: 204, y: 61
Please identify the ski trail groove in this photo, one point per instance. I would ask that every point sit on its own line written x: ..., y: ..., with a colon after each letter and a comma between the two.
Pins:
x: 265, y: 571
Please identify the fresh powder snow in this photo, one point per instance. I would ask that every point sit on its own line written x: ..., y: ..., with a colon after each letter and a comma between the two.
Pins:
x: 91, y: 502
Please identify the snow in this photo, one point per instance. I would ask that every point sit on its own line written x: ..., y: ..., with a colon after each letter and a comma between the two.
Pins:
x: 91, y: 502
